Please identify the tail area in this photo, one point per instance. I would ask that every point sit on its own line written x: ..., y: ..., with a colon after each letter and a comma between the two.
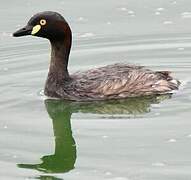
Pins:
x: 166, y: 82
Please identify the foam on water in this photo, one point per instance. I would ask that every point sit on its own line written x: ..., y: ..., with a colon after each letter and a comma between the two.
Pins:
x: 186, y: 15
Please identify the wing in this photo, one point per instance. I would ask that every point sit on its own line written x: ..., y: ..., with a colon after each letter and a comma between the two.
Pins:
x: 121, y: 80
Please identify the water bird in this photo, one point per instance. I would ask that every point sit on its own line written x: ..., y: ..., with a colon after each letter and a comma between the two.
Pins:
x: 115, y: 81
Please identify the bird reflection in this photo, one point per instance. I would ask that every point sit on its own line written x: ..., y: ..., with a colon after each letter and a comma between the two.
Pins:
x: 64, y: 158
x: 60, y: 112
x: 48, y: 178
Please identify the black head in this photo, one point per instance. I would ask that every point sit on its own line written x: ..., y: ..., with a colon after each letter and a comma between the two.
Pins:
x: 48, y: 24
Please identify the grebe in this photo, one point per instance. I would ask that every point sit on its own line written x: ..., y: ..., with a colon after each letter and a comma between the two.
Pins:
x: 115, y: 81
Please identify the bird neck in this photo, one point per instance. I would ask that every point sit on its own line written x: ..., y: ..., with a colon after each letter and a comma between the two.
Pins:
x: 58, y: 70
x: 60, y: 50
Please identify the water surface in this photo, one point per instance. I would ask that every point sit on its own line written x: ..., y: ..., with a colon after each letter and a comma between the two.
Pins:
x: 136, y: 139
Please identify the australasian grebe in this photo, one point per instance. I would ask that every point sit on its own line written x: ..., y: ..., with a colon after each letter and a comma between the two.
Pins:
x: 109, y: 82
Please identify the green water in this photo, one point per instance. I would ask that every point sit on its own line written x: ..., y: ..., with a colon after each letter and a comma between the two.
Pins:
x: 135, y: 139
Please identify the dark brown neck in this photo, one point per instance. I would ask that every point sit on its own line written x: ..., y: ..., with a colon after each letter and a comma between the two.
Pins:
x: 60, y: 50
x: 58, y: 70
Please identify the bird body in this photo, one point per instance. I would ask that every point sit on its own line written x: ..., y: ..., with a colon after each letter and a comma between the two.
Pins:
x: 115, y: 81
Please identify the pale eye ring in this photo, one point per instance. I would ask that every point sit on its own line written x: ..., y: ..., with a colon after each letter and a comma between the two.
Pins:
x: 42, y: 22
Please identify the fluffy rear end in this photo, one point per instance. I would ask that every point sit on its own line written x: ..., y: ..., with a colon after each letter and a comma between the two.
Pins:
x: 165, y: 83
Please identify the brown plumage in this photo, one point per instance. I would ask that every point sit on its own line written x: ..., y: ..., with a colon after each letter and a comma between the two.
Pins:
x: 110, y: 82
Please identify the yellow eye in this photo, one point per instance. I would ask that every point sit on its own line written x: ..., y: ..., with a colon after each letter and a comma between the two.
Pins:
x: 42, y: 22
